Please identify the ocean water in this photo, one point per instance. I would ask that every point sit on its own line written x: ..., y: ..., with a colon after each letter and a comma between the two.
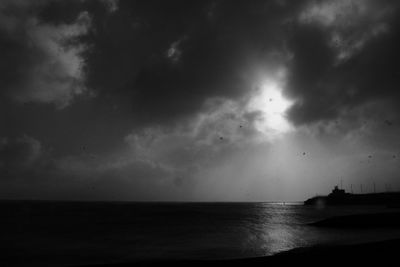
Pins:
x: 71, y: 233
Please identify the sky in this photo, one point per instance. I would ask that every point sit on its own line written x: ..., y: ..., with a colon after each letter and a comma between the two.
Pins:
x: 198, y: 100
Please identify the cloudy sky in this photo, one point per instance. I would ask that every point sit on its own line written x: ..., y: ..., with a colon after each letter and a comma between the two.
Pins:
x: 198, y: 100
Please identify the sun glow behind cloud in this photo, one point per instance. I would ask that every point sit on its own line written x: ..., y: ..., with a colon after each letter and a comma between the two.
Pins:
x: 270, y: 101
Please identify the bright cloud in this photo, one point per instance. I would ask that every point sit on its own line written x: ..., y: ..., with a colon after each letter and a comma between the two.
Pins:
x: 352, y: 23
x: 51, y: 56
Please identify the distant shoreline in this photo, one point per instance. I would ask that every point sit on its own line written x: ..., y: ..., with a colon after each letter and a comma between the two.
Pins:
x: 340, y: 197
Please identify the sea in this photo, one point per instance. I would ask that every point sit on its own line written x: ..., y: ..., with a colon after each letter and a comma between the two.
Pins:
x: 102, y: 232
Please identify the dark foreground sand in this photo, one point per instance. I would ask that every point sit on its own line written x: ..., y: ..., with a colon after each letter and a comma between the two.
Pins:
x: 384, y: 253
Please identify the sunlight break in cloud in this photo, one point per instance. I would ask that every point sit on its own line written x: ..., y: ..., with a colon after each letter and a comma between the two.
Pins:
x: 273, y: 105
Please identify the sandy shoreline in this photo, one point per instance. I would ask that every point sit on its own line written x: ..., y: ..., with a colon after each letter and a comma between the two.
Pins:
x: 386, y: 253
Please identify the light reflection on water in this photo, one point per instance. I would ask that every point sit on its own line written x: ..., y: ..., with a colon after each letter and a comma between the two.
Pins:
x: 283, y: 227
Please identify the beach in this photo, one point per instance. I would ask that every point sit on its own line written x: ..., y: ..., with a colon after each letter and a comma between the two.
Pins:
x: 46, y: 233
x: 383, y: 253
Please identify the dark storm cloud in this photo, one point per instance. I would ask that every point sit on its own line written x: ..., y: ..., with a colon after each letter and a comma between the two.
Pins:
x: 343, y: 57
x: 171, y: 56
